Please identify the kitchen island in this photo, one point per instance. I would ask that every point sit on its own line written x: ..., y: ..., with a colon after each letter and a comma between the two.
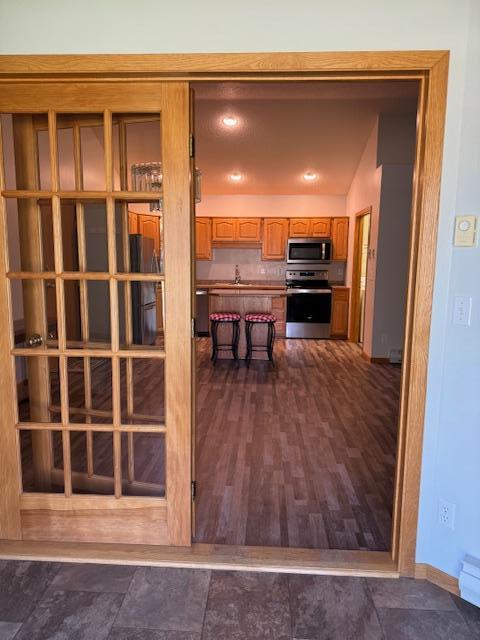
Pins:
x: 245, y: 298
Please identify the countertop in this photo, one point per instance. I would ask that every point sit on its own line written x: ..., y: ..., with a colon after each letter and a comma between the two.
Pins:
x: 246, y: 286
x: 249, y: 285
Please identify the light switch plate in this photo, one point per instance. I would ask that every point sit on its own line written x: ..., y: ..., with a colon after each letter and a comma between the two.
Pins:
x: 462, y: 310
x: 465, y: 231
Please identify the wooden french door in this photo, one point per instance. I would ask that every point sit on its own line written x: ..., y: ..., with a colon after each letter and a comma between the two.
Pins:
x: 95, y: 321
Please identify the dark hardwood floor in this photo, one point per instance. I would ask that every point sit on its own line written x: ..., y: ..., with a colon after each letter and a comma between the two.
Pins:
x: 302, y: 455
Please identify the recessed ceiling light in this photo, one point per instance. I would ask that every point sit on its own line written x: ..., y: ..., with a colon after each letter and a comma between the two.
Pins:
x: 236, y: 176
x: 230, y: 121
x: 309, y: 176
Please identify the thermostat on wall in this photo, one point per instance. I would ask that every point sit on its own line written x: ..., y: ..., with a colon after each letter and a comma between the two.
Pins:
x: 465, y: 230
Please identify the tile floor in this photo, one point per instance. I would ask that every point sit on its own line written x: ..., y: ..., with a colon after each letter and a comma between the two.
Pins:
x: 41, y: 600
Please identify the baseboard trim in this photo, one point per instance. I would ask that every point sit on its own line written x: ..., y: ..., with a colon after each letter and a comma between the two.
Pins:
x: 438, y: 577
x: 208, y: 556
x: 373, y: 360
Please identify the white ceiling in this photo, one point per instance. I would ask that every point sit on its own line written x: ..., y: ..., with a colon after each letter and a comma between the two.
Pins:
x: 286, y: 129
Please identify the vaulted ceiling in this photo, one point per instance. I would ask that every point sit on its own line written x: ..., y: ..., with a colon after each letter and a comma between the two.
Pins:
x: 287, y: 129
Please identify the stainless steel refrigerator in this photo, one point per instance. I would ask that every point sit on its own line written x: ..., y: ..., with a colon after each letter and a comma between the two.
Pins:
x: 144, y: 294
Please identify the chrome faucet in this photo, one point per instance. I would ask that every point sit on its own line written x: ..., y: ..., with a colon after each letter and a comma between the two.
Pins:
x: 237, y: 275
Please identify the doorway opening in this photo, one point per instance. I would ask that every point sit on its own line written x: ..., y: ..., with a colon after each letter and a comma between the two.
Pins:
x: 99, y: 84
x: 302, y: 454
x: 361, y: 253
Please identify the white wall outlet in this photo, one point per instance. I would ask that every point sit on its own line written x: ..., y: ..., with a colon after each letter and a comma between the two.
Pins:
x: 446, y: 514
x: 462, y: 310
x: 262, y: 270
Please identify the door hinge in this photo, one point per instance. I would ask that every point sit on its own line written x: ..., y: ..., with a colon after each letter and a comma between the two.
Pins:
x: 194, y: 327
x: 194, y: 489
x: 191, y: 146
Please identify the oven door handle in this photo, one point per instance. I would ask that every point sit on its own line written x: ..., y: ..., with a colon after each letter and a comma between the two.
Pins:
x: 292, y: 292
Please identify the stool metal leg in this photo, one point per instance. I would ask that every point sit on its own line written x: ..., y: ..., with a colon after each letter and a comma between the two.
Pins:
x: 214, y: 327
x: 248, y: 335
x: 235, y: 338
x: 271, y: 341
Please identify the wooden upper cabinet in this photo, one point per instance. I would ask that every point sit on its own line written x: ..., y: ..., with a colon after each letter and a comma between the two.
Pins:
x: 236, y: 229
x: 339, y: 321
x: 340, y: 238
x: 309, y: 228
x: 132, y: 222
x: 249, y: 229
x: 223, y: 229
x: 203, y: 238
x: 300, y: 227
x: 275, y: 234
x: 320, y: 228
x: 149, y: 227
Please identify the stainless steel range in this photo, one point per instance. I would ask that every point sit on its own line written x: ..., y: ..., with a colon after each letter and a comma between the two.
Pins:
x: 309, y: 304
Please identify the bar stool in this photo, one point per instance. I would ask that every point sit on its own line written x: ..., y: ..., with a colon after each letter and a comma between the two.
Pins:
x: 252, y: 319
x: 221, y: 317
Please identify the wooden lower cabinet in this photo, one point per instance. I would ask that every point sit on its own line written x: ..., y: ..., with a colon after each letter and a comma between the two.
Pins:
x: 339, y: 322
x: 275, y: 234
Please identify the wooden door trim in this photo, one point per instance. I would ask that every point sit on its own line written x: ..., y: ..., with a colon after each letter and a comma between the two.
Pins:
x: 430, y: 69
x: 210, y: 556
x: 354, y: 302
x: 216, y: 65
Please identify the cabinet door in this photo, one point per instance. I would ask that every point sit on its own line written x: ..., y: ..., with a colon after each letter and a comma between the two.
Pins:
x: 132, y: 222
x: 149, y: 227
x: 320, y: 228
x: 340, y: 238
x: 275, y: 234
x: 223, y: 229
x: 249, y: 230
x: 203, y: 238
x: 300, y: 227
x: 339, y: 322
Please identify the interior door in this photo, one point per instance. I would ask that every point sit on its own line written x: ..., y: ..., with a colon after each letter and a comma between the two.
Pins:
x: 100, y: 450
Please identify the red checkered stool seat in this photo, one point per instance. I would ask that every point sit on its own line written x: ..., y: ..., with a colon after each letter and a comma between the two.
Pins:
x: 260, y: 317
x: 224, y: 316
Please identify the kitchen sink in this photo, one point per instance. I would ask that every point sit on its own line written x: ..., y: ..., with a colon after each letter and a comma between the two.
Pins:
x: 232, y: 284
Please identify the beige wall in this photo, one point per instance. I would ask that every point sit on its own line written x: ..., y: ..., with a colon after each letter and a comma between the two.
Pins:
x: 392, y: 250
x: 271, y: 206
x: 386, y: 187
x: 365, y: 192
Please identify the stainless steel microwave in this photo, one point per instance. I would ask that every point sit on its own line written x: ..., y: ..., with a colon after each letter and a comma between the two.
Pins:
x: 309, y: 250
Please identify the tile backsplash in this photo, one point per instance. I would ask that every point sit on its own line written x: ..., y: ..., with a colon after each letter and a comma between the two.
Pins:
x: 222, y: 266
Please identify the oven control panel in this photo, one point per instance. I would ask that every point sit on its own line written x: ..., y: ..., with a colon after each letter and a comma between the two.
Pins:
x: 305, y: 276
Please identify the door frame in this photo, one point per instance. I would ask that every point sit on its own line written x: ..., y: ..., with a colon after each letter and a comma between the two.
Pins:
x: 430, y: 69
x: 355, y: 296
